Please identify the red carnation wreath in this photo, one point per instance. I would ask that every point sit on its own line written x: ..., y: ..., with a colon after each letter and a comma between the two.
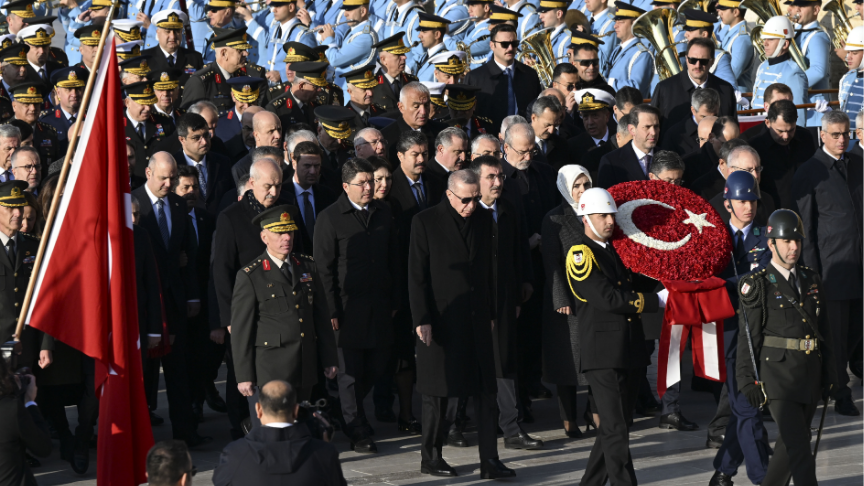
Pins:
x: 667, y: 232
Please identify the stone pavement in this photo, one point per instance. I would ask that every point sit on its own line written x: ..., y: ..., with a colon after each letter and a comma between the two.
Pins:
x: 660, y: 456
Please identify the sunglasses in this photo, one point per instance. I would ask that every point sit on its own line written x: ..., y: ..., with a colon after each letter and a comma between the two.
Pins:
x: 465, y: 200
x: 588, y: 62
x: 702, y: 62
x: 507, y: 44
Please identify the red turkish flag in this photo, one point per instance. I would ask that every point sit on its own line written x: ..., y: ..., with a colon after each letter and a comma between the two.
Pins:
x: 85, y: 290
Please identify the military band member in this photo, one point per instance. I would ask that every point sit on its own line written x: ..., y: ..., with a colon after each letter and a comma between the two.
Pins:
x: 132, y: 70
x: 298, y: 103
x: 68, y: 89
x: 285, y: 27
x: 353, y: 48
x: 392, y: 76
x: 630, y: 63
x: 165, y: 45
x: 166, y: 85
x: 87, y: 39
x: 815, y: 44
x: 431, y: 33
x: 404, y: 18
x: 779, y: 67
x: 144, y: 126
x: 13, y: 63
x: 677, y: 30
x: 736, y: 41
x: 27, y: 102
x: 94, y: 16
x: 551, y: 13
x: 221, y: 18
x: 38, y: 37
x: 437, y: 105
x: 359, y: 84
x: 529, y: 21
x: 231, y: 47
x: 852, y: 83
x: 245, y: 91
x: 445, y: 67
x: 454, y: 10
x: 476, y: 37
x: 602, y: 23
x: 791, y: 340
x: 280, y: 326
x: 461, y: 103
x: 701, y: 24
x: 502, y: 15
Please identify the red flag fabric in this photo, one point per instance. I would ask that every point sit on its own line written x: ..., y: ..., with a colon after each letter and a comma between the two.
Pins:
x: 85, y: 294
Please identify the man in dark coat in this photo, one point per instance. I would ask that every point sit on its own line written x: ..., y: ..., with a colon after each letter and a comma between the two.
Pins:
x: 712, y: 181
x: 829, y: 202
x: 413, y: 115
x: 305, y: 191
x: 214, y: 176
x: 498, y: 98
x: 356, y: 251
x: 631, y: 162
x: 280, y: 450
x: 170, y: 54
x: 552, y: 148
x: 450, y: 285
x: 594, y: 109
x: 145, y: 128
x: 672, y: 96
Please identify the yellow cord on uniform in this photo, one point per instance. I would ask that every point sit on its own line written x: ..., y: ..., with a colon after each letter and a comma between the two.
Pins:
x: 579, y: 271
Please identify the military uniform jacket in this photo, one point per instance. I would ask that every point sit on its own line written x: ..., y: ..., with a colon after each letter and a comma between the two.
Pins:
x: 45, y: 142
x: 788, y: 374
x: 383, y: 94
x: 6, y: 112
x: 210, y: 84
x: 608, y: 309
x: 373, y: 110
x: 188, y: 60
x: 57, y: 119
x: 14, y: 277
x: 279, y: 328
x: 156, y: 129
x: 288, y: 109
x: 851, y: 93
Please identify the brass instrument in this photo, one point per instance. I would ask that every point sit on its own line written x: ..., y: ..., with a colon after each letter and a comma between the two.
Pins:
x: 574, y: 18
x: 539, y: 44
x: 656, y: 27
x: 466, y: 48
x: 765, y: 9
x: 843, y: 25
x: 337, y: 24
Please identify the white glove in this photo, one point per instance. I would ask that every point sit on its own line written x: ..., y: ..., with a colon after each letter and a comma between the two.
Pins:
x: 743, y: 102
x: 822, y: 106
x: 663, y: 295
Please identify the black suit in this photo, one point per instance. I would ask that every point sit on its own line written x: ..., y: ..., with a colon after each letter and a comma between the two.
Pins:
x: 322, y: 197
x: 673, y: 95
x: 20, y: 430
x: 391, y: 133
x: 235, y: 147
x: 157, y: 129
x: 557, y: 152
x: 187, y: 61
x: 581, y: 145
x: 702, y: 174
x: 219, y: 179
x: 492, y: 97
x: 149, y: 308
x: 292, y: 457
x: 754, y: 132
x: 779, y: 163
x: 620, y: 165
x: 681, y: 138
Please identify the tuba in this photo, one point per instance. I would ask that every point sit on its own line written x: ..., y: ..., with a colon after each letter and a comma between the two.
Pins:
x: 765, y: 9
x: 539, y: 44
x: 843, y: 25
x: 656, y: 27
x: 702, y: 5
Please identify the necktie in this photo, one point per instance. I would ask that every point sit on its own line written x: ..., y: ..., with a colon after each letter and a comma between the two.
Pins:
x: 278, y: 34
x: 202, y: 179
x: 286, y: 270
x: 511, y: 92
x: 42, y: 74
x: 492, y: 210
x: 10, y: 250
x: 591, y: 20
x: 542, y: 144
x: 72, y: 120
x: 739, y: 246
x: 163, y: 222
x: 365, y: 117
x: 793, y: 281
x: 841, y: 167
x: 602, y: 143
x: 647, y: 163
x: 140, y: 130
x: 396, y: 86
x: 192, y: 225
x: 418, y: 193
x: 170, y: 61
x: 308, y: 214
x: 364, y: 214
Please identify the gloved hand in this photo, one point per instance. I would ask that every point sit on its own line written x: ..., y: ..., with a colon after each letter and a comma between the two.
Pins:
x: 754, y: 394
x: 744, y: 103
x: 822, y: 106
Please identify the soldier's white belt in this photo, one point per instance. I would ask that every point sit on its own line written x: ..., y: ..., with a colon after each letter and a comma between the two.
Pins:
x: 791, y: 343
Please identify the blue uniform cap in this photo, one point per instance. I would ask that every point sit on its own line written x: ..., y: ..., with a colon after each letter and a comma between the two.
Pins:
x: 741, y: 185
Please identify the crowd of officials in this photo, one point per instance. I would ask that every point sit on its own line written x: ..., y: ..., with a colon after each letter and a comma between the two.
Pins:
x: 406, y: 227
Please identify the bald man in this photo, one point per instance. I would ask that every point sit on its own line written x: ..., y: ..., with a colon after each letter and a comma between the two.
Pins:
x: 566, y: 127
x: 266, y: 132
x: 165, y: 217
x: 240, y: 145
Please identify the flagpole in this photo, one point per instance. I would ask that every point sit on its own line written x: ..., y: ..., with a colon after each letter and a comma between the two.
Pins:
x: 55, y: 200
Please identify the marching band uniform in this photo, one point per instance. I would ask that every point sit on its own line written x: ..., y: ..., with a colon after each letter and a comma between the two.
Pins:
x: 780, y: 69
x: 630, y: 63
x: 852, y: 83
x: 420, y: 56
x: 560, y: 36
x: 480, y: 51
x: 271, y: 54
x: 72, y: 41
x: 453, y: 10
x: 736, y: 41
x: 353, y: 49
x: 816, y: 47
x: 405, y: 19
x: 202, y: 31
x: 603, y: 23
x: 529, y: 22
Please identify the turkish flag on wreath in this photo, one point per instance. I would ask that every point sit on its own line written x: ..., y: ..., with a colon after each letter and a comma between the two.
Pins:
x: 670, y: 234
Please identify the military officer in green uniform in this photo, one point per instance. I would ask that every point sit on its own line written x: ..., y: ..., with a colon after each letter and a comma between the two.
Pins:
x: 297, y: 105
x: 462, y: 102
x: 331, y: 94
x: 13, y: 59
x: 359, y: 84
x: 790, y: 340
x: 16, y: 261
x: 27, y: 101
x: 280, y: 323
x: 210, y: 83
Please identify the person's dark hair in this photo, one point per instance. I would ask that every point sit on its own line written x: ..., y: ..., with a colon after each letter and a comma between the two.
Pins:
x: 784, y: 109
x: 584, y: 47
x: 191, y: 122
x: 379, y: 162
x: 640, y: 109
x: 26, y: 129
x: 278, y: 404
x: 563, y: 68
x: 665, y: 160
x: 167, y: 462
x: 628, y: 94
x: 730, y: 145
x: 702, y: 42
x: 776, y: 88
x: 267, y: 151
x: 306, y: 148
x: 500, y: 28
x: 185, y: 170
x: 409, y: 139
x: 352, y: 167
x: 543, y: 103
x: 723, y: 120
x: 487, y: 160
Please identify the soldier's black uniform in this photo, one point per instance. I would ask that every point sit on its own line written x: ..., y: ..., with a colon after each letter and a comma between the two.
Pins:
x: 156, y: 129
x: 791, y: 339
x: 285, y: 106
x: 46, y: 142
x: 373, y: 110
x: 385, y: 95
x: 210, y: 84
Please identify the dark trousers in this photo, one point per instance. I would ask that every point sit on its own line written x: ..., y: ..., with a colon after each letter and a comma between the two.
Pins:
x: 358, y: 371
x: 717, y: 426
x: 845, y: 318
x: 183, y: 423
x: 204, y: 357
x: 53, y: 398
x: 746, y: 439
x: 508, y: 407
x: 528, y: 331
x: 237, y: 405
x: 150, y: 370
x: 567, y: 395
x: 792, y: 455
x: 440, y: 412
x: 614, y: 393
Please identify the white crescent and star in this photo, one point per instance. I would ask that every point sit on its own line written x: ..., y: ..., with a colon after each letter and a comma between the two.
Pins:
x: 625, y: 221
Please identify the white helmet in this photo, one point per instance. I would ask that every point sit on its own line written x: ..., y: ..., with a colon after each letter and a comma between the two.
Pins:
x: 855, y: 39
x: 778, y: 27
x: 596, y: 201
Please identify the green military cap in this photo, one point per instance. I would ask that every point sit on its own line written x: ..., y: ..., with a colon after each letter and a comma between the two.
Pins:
x: 136, y: 65
x: 461, y: 97
x: 21, y: 8
x: 89, y: 35
x: 70, y: 77
x: 321, y: 53
x: 297, y: 52
x: 276, y: 220
x: 236, y: 38
x: 336, y: 120
x: 28, y: 93
x: 12, y: 194
x: 393, y: 44
x: 15, y: 54
x: 166, y: 80
x: 312, y: 72
x: 141, y: 92
x: 363, y: 78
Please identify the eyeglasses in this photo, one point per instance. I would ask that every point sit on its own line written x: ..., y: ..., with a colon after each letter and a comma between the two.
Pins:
x: 701, y: 62
x: 567, y: 87
x: 837, y: 135
x: 363, y: 184
x: 507, y: 44
x: 464, y: 200
x: 755, y: 170
x: 677, y: 182
x: 521, y: 154
x: 29, y: 168
x: 588, y: 62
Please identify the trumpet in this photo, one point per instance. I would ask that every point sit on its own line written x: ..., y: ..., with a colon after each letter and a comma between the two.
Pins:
x: 466, y: 48
x: 844, y: 24
x: 337, y: 24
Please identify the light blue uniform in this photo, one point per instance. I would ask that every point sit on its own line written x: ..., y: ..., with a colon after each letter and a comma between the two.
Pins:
x: 378, y: 8
x: 405, y: 21
x: 577, y: 5
x: 454, y: 10
x: 351, y: 50
x: 631, y: 66
x: 326, y: 12
x: 419, y: 66
x: 479, y: 51
x: 643, y: 4
x: 816, y: 47
x: 786, y: 72
x: 272, y: 56
x: 722, y: 67
x: 851, y: 94
x: 201, y: 32
x: 67, y: 18
x: 604, y: 23
x: 737, y: 43
x: 560, y: 38
x: 529, y: 22
x: 42, y: 10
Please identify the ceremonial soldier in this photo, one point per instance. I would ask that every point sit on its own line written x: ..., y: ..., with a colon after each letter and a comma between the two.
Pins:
x: 144, y: 128
x: 445, y: 67
x: 529, y: 21
x: 38, y: 37
x: 454, y: 10
x: 245, y: 91
x: 779, y: 67
x: 132, y: 70
x: 462, y: 101
x: 221, y: 18
x: 166, y: 85
x: 87, y: 38
x: 231, y: 48
x: 786, y: 361
x: 359, y: 84
x: 392, y: 76
x: 18, y: 257
x: 611, y: 340
x: 11, y: 56
x: 437, y: 105
x: 736, y: 41
x: 285, y: 27
x: 68, y: 89
x: 630, y: 63
x: 27, y: 101
x: 298, y: 103
x: 476, y: 37
x: 602, y: 24
x: 701, y: 24
x: 852, y: 83
x: 432, y: 32
x: 501, y: 15
x: 353, y: 48
x: 551, y: 13
x: 815, y: 44
x: 168, y: 51
x: 280, y: 326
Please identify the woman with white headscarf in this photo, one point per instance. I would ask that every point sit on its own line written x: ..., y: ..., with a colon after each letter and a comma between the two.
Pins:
x: 561, y: 230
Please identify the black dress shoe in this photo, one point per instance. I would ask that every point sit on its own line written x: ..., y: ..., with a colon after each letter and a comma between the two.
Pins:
x: 539, y: 392
x: 412, y: 426
x: 522, y: 441
x: 385, y: 415
x: 677, y: 421
x: 364, y: 446
x: 215, y: 402
x: 720, y: 479
x: 574, y: 432
x: 195, y: 440
x: 714, y: 441
x: 437, y: 468
x: 845, y: 406
x: 81, y: 457
x: 456, y: 439
x: 495, y: 469
x: 155, y: 419
x: 31, y: 461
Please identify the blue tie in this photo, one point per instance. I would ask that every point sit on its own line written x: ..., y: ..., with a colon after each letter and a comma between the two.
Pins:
x: 511, y: 94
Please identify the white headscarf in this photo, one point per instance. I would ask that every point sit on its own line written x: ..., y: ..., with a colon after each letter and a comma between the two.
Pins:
x: 567, y: 175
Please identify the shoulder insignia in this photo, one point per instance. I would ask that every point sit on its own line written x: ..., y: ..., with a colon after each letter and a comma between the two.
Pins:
x: 771, y: 278
x: 579, y: 263
x: 251, y: 266
x: 28, y: 235
x: 483, y: 119
x: 305, y: 257
x: 747, y: 284
x: 288, y: 103
x: 367, y: 29
x: 230, y: 115
x: 278, y: 87
x: 276, y: 103
x: 47, y: 126
x: 266, y: 264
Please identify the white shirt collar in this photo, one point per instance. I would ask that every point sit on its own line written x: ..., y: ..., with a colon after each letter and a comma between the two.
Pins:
x: 35, y: 67
x: 557, y: 30
x: 434, y: 49
x: 166, y: 53
x: 744, y: 231
x: 357, y: 206
x: 811, y: 25
x: 602, y: 13
x: 703, y: 85
x: 518, y: 5
x: 601, y: 243
x: 134, y: 121
x: 493, y: 207
x: 411, y: 182
x: 501, y: 66
x: 225, y: 73
x: 5, y: 239
x: 626, y: 43
x: 277, y: 261
x: 192, y: 162
x: 278, y: 425
x: 640, y: 154
x: 169, y: 115
x: 605, y: 137
x: 389, y: 78
x: 785, y: 273
x: 402, y: 8
x: 66, y: 113
x: 829, y: 155
x: 358, y: 108
x: 153, y: 197
x: 442, y: 166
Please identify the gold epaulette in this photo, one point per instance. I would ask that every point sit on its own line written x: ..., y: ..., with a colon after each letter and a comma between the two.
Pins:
x: 251, y: 266
x: 579, y: 263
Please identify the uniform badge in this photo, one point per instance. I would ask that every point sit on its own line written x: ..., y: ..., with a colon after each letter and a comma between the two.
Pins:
x: 266, y: 264
x: 772, y: 279
x: 159, y: 131
x: 754, y: 266
x: 46, y: 142
x: 189, y: 69
x: 745, y: 288
x: 218, y: 78
x: 306, y: 277
x: 755, y: 231
x: 30, y: 259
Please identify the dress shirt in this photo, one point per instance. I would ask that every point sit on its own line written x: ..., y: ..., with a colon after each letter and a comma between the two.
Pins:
x: 502, y: 67
x: 411, y: 183
x: 540, y: 143
x: 198, y: 165
x: 626, y: 43
x: 39, y: 70
x: 604, y: 139
x: 744, y: 231
x: 785, y: 273
x: 493, y: 208
x: 643, y: 161
x: 278, y: 425
x: 390, y: 79
x: 598, y: 15
x: 279, y: 262
x: 166, y: 206
x: 360, y: 111
x: 159, y: 110
x: 442, y: 166
x: 4, y: 240
x: 7, y: 174
x: 135, y: 122
x: 225, y: 74
x: 434, y: 50
x: 167, y: 55
x: 703, y: 85
x: 66, y: 114
x: 358, y: 207
x: 829, y: 153
x: 300, y: 203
